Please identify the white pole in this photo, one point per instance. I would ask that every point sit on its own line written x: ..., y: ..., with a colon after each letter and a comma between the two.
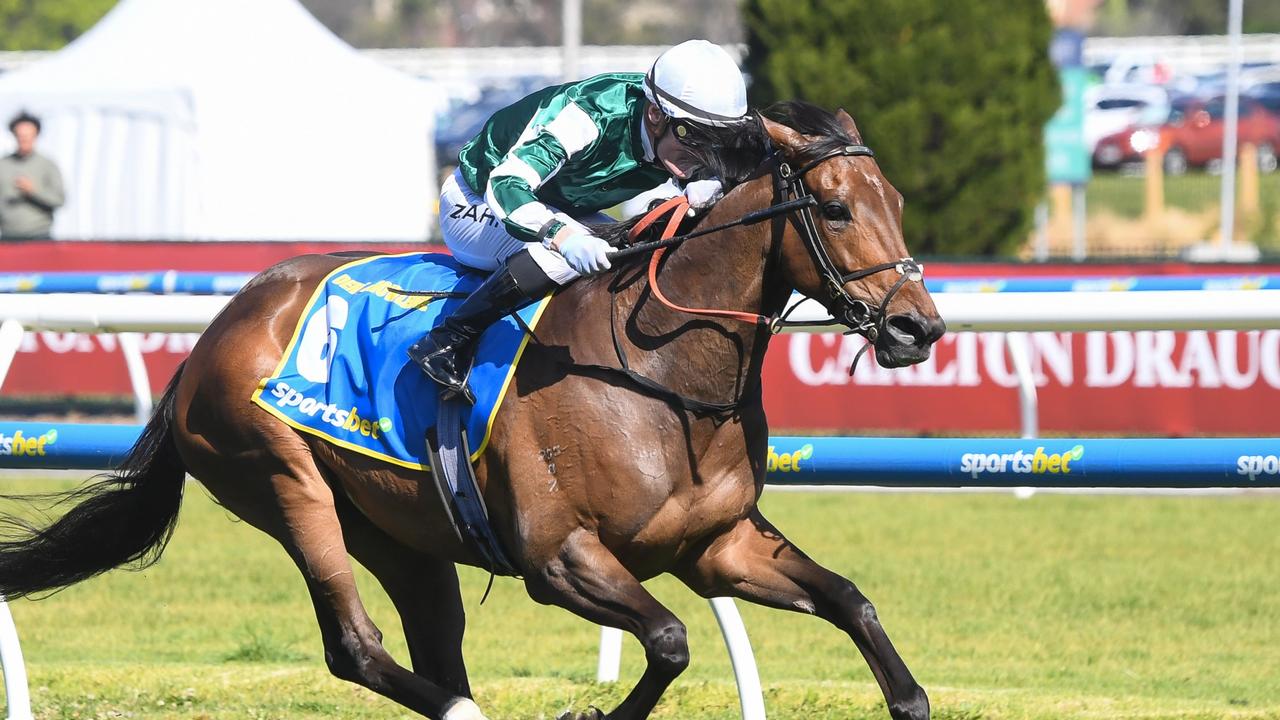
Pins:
x: 1231, y: 121
x: 131, y: 346
x: 745, y: 673
x: 750, y: 696
x: 1018, y: 345
x: 15, y: 671
x: 10, y: 340
x: 610, y: 655
x: 571, y: 39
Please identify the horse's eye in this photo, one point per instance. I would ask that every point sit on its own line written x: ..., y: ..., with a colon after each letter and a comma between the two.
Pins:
x: 835, y: 211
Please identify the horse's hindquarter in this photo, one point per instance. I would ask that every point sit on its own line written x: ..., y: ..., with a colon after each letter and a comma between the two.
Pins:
x: 225, y: 438
x: 216, y: 421
x: 576, y: 448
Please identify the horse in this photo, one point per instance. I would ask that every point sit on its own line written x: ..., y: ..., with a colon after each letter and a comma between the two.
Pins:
x: 652, y: 416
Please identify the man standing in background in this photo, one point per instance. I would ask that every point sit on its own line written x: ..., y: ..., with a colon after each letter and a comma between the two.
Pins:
x: 30, y: 185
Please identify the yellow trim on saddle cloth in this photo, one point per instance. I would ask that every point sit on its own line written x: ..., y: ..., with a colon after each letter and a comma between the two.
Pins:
x: 297, y: 330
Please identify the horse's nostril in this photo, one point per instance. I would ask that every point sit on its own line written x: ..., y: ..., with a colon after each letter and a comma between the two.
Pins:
x: 915, y: 330
x: 905, y: 330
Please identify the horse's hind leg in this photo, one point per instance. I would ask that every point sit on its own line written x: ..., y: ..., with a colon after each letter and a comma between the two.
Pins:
x: 753, y: 561
x: 425, y: 592
x: 292, y: 503
x: 585, y: 578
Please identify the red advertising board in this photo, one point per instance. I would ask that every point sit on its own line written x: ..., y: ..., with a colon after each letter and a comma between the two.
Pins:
x: 1144, y: 383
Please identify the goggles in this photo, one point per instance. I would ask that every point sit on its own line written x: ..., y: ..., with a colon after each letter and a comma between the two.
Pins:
x: 682, y: 130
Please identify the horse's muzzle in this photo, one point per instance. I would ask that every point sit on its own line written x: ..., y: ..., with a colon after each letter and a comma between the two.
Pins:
x: 907, y: 339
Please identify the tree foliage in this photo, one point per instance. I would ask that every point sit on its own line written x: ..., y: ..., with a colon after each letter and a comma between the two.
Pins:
x: 952, y: 96
x: 47, y: 24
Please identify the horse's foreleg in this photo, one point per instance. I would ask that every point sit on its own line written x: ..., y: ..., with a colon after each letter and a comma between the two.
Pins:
x: 585, y: 578
x: 425, y: 592
x: 753, y: 561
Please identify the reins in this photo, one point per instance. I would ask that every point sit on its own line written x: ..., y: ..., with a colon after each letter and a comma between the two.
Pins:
x: 795, y: 202
x: 678, y: 206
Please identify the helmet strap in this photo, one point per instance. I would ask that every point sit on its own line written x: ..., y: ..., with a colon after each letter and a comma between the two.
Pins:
x: 661, y: 96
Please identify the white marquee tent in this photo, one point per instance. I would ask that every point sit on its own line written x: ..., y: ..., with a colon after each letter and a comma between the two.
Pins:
x: 228, y: 120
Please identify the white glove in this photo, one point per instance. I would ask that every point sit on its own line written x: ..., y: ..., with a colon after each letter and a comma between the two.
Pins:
x: 585, y: 252
x: 703, y: 193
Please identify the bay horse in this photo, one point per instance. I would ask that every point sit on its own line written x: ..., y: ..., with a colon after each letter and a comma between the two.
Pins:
x: 654, y: 472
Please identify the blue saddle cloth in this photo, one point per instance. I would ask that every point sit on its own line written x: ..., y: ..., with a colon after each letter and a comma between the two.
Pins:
x: 345, y: 376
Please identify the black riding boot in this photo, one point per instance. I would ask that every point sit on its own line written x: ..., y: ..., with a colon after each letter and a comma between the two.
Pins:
x: 444, y: 354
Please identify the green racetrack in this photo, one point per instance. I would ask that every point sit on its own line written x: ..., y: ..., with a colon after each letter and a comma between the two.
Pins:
x: 1053, y: 607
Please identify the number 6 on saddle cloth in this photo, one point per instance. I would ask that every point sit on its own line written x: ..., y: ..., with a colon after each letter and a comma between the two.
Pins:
x: 343, y: 376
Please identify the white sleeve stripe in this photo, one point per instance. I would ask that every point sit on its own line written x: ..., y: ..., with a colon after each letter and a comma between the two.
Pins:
x: 512, y: 166
x: 531, y: 215
x: 574, y: 128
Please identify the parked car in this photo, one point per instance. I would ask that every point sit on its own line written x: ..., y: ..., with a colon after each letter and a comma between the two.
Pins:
x: 1193, y: 136
x: 1266, y: 94
x: 1129, y: 144
x: 1112, y: 108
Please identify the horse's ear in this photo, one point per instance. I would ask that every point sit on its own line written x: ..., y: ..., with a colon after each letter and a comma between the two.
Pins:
x: 783, y: 136
x: 846, y: 122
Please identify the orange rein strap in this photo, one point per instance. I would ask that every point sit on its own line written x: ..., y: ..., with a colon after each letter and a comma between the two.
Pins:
x: 652, y: 216
x: 678, y: 206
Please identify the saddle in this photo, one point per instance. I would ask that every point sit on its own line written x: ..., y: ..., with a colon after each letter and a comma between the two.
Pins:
x: 344, y: 378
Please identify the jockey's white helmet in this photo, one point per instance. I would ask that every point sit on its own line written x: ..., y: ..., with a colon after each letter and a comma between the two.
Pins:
x: 698, y: 81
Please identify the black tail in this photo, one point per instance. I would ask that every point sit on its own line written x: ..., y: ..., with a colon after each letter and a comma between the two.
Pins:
x: 125, y: 516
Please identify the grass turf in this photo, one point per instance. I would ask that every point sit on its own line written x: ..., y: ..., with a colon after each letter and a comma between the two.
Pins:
x: 1124, y: 195
x: 1056, y: 607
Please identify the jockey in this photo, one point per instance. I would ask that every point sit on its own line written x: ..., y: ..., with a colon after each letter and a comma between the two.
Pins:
x: 544, y: 164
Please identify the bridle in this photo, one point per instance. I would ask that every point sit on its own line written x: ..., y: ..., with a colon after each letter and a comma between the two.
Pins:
x: 793, y: 200
x: 854, y: 313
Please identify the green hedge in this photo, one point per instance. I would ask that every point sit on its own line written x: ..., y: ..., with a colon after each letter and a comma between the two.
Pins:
x: 953, y: 96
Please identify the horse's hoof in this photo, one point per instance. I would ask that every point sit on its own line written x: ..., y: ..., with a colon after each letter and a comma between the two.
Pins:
x: 464, y: 709
x: 592, y: 713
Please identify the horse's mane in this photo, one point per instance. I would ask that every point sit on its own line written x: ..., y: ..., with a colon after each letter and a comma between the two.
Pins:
x: 811, y: 120
x: 734, y: 152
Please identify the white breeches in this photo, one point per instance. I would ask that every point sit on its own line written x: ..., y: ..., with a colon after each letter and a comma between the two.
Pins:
x: 477, y: 238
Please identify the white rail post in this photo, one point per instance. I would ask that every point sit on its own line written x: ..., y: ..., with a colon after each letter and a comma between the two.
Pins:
x: 131, y: 346
x: 10, y: 340
x: 1018, y: 346
x: 750, y: 696
x: 610, y: 655
x: 17, y: 696
x: 15, y: 671
x: 745, y: 673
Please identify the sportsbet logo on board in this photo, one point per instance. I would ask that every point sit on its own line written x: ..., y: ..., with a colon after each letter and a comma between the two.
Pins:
x: 1020, y: 462
x: 20, y: 444
x: 787, y: 461
x: 1255, y: 465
